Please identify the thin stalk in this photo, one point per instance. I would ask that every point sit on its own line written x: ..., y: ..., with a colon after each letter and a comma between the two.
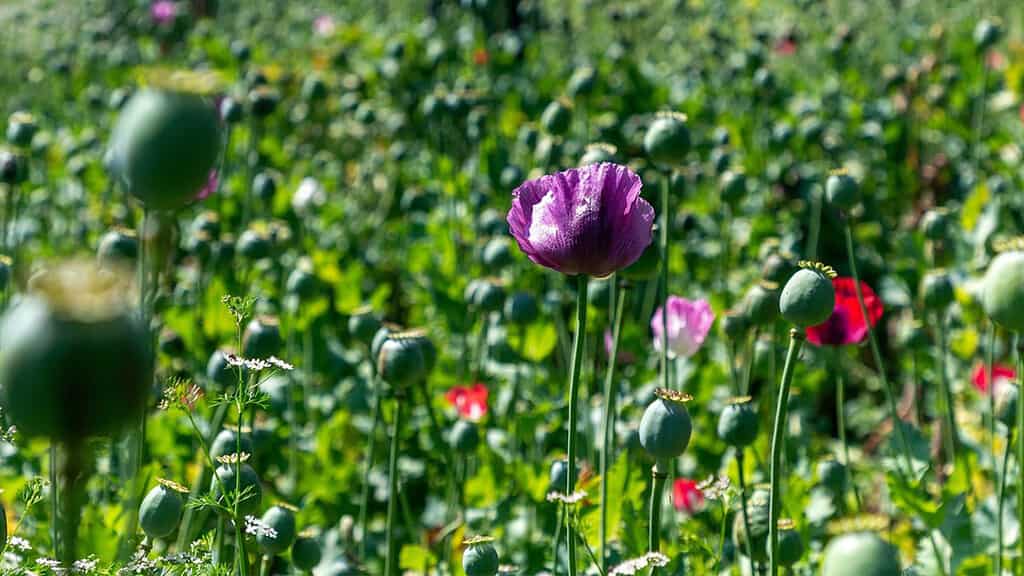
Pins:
x: 371, y: 449
x: 1002, y: 493
x: 815, y: 227
x: 664, y: 280
x: 743, y: 502
x: 560, y: 517
x: 877, y: 356
x: 608, y: 428
x: 1020, y: 442
x: 390, y: 569
x: 574, y: 384
x: 841, y: 422
x: 947, y: 391
x: 989, y: 359
x: 659, y: 475
x: 796, y: 339
x: 56, y: 528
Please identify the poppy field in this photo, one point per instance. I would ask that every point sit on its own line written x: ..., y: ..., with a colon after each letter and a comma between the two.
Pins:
x: 535, y: 287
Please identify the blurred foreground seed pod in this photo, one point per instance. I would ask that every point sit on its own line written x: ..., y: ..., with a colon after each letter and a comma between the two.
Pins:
x: 165, y: 144
x: 1003, y: 291
x: 75, y: 360
x: 118, y: 248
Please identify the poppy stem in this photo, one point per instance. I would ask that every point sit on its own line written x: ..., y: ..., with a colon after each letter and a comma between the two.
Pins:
x: 574, y: 381
x: 947, y: 391
x: 796, y: 339
x: 743, y: 502
x: 897, y: 422
x: 371, y: 450
x: 1020, y: 441
x: 1001, y: 503
x: 664, y: 279
x: 389, y: 561
x: 989, y: 359
x: 841, y: 423
x: 659, y: 475
x: 608, y: 424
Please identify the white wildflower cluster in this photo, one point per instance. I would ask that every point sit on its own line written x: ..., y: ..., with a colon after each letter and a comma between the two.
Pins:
x: 256, y: 527
x: 257, y: 364
x: 574, y: 498
x: 233, y: 458
x: 637, y: 565
x: 85, y: 565
x: 715, y: 488
x: 18, y: 543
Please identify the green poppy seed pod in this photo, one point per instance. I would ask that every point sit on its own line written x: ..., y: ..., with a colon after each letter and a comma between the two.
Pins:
x: 263, y: 101
x: 314, y: 89
x: 860, y: 554
x: 581, y: 83
x: 721, y: 159
x: 480, y: 559
x: 935, y: 224
x: 1003, y: 290
x: 841, y: 190
x: 937, y: 290
x: 226, y: 443
x: 75, y: 360
x: 306, y: 553
x: 489, y: 296
x: 262, y: 338
x: 777, y: 268
x: 302, y: 284
x: 264, y: 186
x: 735, y: 325
x: 645, y: 267
x: 667, y: 139
x: 556, y: 118
x: 363, y: 325
x: 231, y: 111
x: 161, y: 510
x: 521, y: 308
x: 1007, y: 397
x: 732, y: 186
x: 791, y: 546
x: 400, y: 360
x: 166, y: 144
x: 738, y: 423
x: 761, y: 304
x: 282, y: 520
x: 277, y: 387
x: 171, y: 343
x: 665, y: 426
x: 464, y: 437
x: 218, y: 371
x: 382, y: 335
x: 986, y: 34
x: 21, y: 128
x: 808, y: 298
x: 832, y: 476
x: 497, y: 254
x: 13, y: 168
x: 758, y: 517
x: 598, y: 153
x: 248, y: 480
x: 240, y: 50
x: 118, y: 248
x: 254, y: 245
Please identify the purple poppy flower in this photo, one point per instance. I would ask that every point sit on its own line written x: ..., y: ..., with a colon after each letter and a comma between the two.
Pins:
x: 588, y: 220
x: 688, y: 324
x: 163, y: 11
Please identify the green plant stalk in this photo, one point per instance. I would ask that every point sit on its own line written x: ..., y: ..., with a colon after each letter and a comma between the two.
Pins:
x: 574, y: 384
x: 659, y: 475
x: 746, y: 515
x: 1001, y: 503
x: 390, y: 569
x: 947, y: 391
x: 841, y: 423
x: 877, y: 356
x: 796, y: 339
x: 56, y: 528
x: 664, y: 279
x: 371, y: 449
x: 73, y: 476
x: 1020, y: 441
x: 265, y: 565
x: 989, y: 359
x: 185, y: 531
x: 559, y: 522
x: 815, y: 227
x: 608, y: 422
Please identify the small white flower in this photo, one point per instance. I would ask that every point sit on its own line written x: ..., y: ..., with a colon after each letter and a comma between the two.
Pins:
x: 256, y: 527
x: 19, y: 543
x: 574, y: 498
x: 85, y: 566
x: 636, y: 565
x: 281, y: 364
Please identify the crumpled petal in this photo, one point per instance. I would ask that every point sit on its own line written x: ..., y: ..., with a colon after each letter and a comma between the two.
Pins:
x: 689, y: 322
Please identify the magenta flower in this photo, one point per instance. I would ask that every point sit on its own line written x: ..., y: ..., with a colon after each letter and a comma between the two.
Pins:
x: 588, y: 220
x: 209, y: 188
x: 688, y: 326
x: 163, y: 11
x: 323, y: 25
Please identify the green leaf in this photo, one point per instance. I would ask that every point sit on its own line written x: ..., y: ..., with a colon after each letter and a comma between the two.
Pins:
x: 541, y: 340
x: 416, y: 558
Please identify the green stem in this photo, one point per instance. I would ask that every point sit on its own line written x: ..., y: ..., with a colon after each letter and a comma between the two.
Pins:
x: 989, y: 359
x: 574, y: 384
x: 56, y: 528
x: 897, y: 422
x: 815, y: 227
x: 608, y: 426
x: 1020, y: 441
x: 743, y: 502
x: 371, y: 449
x: 1001, y: 503
x: 659, y: 475
x: 664, y: 280
x: 841, y: 422
x: 265, y: 565
x: 796, y: 339
x: 947, y: 391
x: 560, y: 517
x: 390, y: 569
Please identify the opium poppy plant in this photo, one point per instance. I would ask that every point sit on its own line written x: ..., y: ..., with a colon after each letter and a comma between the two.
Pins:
x: 847, y: 324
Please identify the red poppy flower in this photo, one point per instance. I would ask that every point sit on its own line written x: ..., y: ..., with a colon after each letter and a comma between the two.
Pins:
x: 686, y: 496
x: 469, y: 401
x: 481, y: 57
x: 1000, y: 373
x: 785, y: 47
x: 846, y: 325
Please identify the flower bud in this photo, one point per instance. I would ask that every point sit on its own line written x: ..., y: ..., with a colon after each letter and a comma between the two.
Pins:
x: 808, y: 298
x: 735, y: 325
